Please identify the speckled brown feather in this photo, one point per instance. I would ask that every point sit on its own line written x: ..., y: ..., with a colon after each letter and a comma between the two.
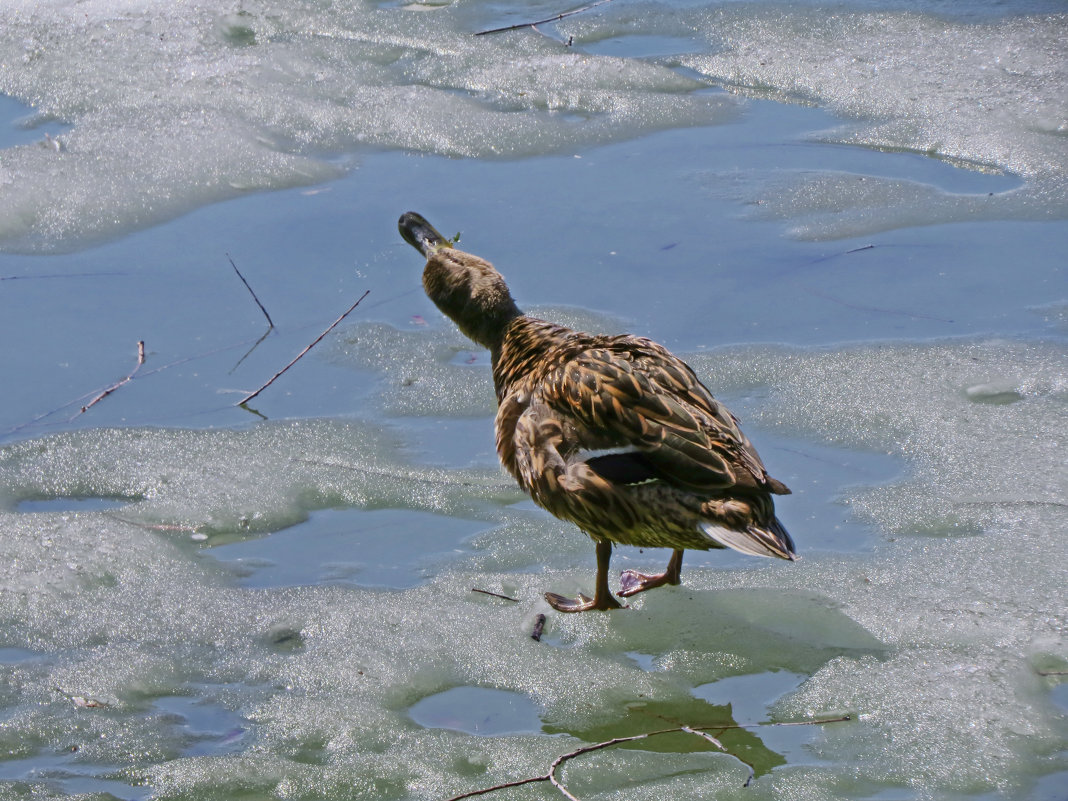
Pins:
x: 562, y: 393
x: 613, y: 433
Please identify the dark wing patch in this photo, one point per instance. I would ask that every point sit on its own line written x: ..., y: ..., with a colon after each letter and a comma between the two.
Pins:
x: 631, y: 392
x: 623, y: 468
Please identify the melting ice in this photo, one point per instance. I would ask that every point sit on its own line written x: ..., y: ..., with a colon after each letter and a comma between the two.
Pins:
x: 211, y: 611
x: 175, y: 105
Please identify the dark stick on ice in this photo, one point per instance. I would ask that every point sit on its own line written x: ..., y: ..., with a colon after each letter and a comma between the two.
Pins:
x: 315, y: 342
x: 54, y: 275
x: 860, y: 249
x: 140, y: 374
x: 539, y: 627
x: 700, y: 731
x: 496, y: 787
x: 270, y: 322
x: 117, y: 384
x: 519, y: 25
x: 495, y: 594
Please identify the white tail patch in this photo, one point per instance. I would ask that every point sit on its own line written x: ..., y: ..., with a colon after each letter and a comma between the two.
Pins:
x: 753, y: 542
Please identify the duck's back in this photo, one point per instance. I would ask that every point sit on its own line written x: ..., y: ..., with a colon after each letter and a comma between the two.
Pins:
x: 595, y: 426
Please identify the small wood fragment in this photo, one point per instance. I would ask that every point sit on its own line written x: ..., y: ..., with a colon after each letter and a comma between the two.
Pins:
x: 539, y: 627
x: 556, y: 18
x: 117, y: 384
x: 82, y: 701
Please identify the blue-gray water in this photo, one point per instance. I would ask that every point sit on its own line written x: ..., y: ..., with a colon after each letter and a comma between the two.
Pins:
x: 849, y: 218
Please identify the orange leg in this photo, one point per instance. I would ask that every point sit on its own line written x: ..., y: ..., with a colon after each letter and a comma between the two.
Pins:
x: 602, y: 596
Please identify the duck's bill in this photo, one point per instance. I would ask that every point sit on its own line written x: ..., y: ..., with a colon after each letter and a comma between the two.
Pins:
x: 420, y: 234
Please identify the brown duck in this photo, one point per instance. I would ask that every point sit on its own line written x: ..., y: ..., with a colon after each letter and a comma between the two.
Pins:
x: 613, y: 433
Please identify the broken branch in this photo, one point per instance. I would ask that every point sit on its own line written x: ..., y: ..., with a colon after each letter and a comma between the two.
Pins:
x: 117, y: 384
x: 270, y: 322
x: 315, y: 342
x: 700, y: 731
x: 505, y: 786
x: 54, y: 275
x: 542, y: 21
x: 495, y: 594
x: 560, y: 760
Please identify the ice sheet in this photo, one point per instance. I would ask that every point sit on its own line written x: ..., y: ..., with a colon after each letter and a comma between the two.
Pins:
x: 139, y: 660
x: 935, y: 642
x: 982, y: 95
x: 173, y: 106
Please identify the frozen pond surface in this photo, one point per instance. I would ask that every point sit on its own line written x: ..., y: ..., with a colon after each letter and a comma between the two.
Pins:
x: 850, y: 219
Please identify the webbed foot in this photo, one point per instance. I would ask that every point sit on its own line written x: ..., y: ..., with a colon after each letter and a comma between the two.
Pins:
x: 562, y: 603
x: 632, y: 582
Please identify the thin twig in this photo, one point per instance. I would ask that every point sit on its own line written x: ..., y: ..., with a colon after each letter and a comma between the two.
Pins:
x: 843, y: 253
x: 560, y: 760
x: 505, y: 786
x: 315, y: 342
x: 141, y: 374
x: 705, y: 735
x: 54, y: 275
x: 719, y: 730
x: 698, y: 730
x: 542, y: 21
x: 721, y: 747
x: 495, y: 594
x: 270, y: 322
x: 117, y: 384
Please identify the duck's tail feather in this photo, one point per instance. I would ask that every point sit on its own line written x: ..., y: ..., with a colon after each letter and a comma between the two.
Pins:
x: 769, y: 540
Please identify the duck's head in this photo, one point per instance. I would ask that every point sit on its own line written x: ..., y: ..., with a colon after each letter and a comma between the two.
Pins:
x: 466, y: 288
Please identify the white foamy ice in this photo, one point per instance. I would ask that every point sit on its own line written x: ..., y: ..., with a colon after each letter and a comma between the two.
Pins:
x: 173, y: 106
x: 986, y: 96
x: 964, y: 591
x: 934, y: 642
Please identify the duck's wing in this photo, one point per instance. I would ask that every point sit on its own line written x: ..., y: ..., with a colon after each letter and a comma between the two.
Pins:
x: 642, y: 414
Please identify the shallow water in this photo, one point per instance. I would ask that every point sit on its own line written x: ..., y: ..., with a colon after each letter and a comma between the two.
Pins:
x: 855, y: 239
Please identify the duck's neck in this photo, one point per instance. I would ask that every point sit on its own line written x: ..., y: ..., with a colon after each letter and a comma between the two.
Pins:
x: 522, y: 349
x: 487, y: 329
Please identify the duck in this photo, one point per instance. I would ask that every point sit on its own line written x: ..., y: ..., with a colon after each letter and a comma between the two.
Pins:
x: 612, y: 433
